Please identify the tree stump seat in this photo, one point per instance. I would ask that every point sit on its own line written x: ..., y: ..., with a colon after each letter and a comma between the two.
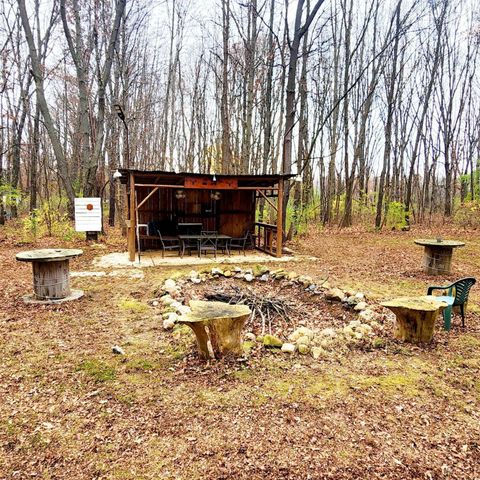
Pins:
x: 415, y: 317
x: 217, y: 327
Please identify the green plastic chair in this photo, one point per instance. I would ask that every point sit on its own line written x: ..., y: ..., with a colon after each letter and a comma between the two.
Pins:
x: 457, y: 295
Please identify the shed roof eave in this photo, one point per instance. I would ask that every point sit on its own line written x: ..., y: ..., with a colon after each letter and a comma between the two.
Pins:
x: 271, y: 179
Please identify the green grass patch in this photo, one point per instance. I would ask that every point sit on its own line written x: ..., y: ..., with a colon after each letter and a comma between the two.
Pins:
x: 133, y: 306
x: 407, y: 385
x: 98, y: 370
x: 139, y: 364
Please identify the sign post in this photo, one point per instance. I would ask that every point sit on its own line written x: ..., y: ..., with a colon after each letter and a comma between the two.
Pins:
x: 88, y: 216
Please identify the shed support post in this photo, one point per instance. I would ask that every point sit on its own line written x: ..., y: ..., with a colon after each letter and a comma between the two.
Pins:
x: 132, y: 221
x: 280, y: 218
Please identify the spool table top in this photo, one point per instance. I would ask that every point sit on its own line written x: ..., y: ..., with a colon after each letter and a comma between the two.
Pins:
x: 48, y: 254
x: 432, y: 242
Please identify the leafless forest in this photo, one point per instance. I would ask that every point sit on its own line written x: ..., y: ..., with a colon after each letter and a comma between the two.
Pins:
x: 374, y: 105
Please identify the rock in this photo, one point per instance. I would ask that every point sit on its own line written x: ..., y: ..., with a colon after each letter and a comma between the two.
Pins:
x: 194, y: 274
x: 237, y: 270
x: 352, y: 301
x: 196, y: 280
x: 317, y: 352
x: 301, y: 332
x: 303, y: 349
x: 118, y: 350
x: 348, y: 331
x: 167, y: 300
x: 288, y: 348
x: 358, y: 335
x: 292, y: 275
x: 354, y: 323
x: 360, y: 296
x: 270, y: 341
x: 168, y: 324
x: 176, y: 304
x: 250, y: 337
x: 350, y: 293
x: 364, y: 329
x: 169, y: 285
x: 217, y: 271
x: 278, y: 274
x: 367, y: 315
x: 334, y: 295
x: 303, y: 340
x: 259, y: 270
x: 264, y: 277
x: 227, y: 273
x: 360, y: 306
x: 328, y: 332
x: 305, y: 280
x: 155, y: 303
x: 248, y: 277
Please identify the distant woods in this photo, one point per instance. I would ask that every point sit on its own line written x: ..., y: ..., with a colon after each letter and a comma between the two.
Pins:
x: 374, y: 105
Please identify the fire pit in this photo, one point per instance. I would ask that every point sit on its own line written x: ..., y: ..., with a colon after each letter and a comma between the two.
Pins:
x: 288, y: 312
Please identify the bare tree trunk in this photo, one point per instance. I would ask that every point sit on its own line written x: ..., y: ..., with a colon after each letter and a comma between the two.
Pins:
x: 224, y: 107
x: 439, y: 25
x: 267, y: 104
x: 299, y: 31
x: 35, y: 153
x: 391, y: 99
x: 37, y: 72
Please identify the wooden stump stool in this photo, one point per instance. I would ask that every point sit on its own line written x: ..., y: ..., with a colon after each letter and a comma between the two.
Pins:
x: 217, y: 327
x: 415, y: 317
x: 51, y: 274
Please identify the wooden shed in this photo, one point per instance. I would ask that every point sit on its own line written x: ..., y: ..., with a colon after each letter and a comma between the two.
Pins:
x: 224, y: 203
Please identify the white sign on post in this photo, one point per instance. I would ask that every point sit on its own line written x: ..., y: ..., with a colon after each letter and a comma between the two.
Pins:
x: 88, y: 215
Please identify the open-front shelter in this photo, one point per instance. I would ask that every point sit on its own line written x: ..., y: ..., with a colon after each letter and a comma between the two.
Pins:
x: 224, y: 203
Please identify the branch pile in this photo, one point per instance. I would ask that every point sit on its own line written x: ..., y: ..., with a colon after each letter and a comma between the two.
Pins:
x: 268, y: 309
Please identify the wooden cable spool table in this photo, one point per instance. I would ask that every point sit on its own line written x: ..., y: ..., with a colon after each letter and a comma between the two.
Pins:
x: 437, y: 259
x: 51, y: 274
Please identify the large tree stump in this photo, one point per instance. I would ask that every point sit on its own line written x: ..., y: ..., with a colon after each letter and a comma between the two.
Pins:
x: 415, y: 317
x: 217, y: 327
